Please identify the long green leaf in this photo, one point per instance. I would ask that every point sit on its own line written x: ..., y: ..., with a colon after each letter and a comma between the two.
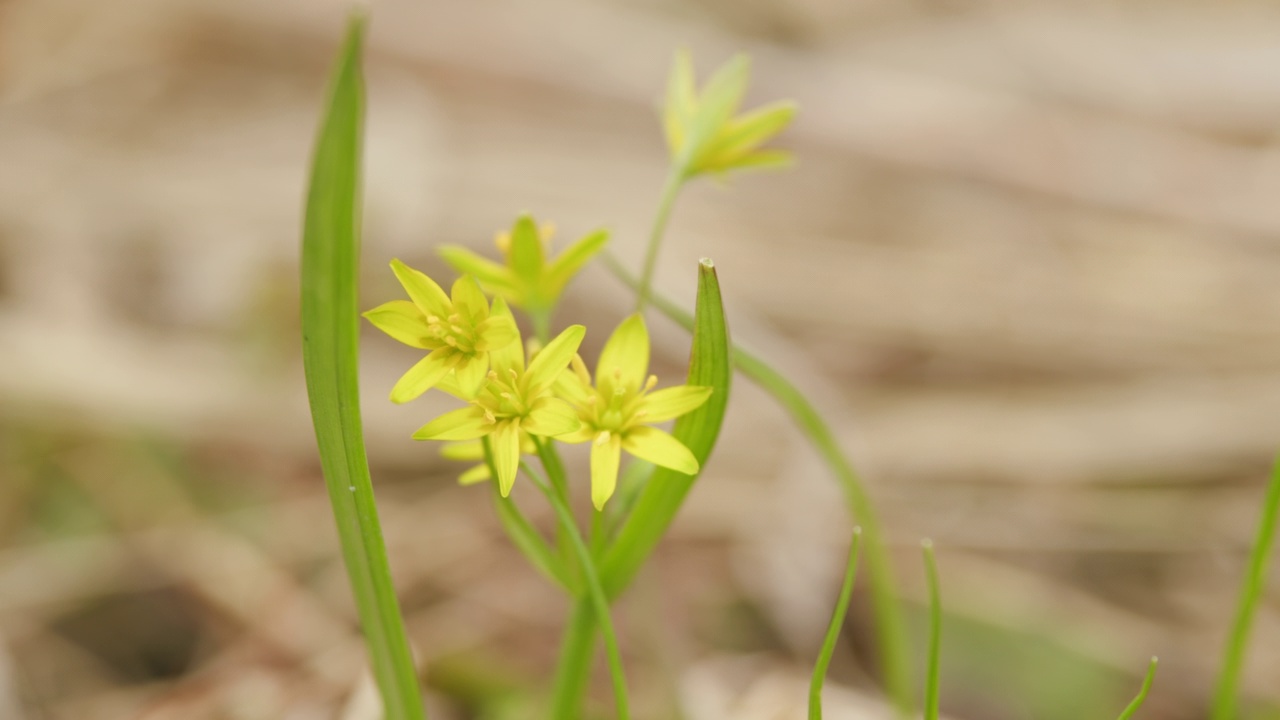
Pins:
x: 833, y: 629
x: 666, y: 490
x: 888, y: 616
x: 330, y: 331
x: 1225, y: 700
x: 935, y: 632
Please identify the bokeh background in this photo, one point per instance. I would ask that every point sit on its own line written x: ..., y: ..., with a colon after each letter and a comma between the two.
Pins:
x: 1027, y: 263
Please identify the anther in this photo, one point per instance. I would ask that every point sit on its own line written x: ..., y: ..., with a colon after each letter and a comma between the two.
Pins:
x: 602, y: 438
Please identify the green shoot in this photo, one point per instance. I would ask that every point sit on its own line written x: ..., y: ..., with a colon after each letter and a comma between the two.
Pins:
x: 935, y: 632
x: 833, y: 629
x: 1142, y: 692
x: 1225, y: 699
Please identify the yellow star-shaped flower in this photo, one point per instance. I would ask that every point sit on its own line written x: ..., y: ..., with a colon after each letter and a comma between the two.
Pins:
x: 514, y: 398
x: 459, y: 330
x: 617, y: 411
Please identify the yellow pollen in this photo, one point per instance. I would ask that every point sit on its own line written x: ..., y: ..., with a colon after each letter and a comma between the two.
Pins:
x: 454, y: 318
x: 602, y: 438
x: 456, y: 329
x: 492, y: 375
x: 451, y: 341
x: 433, y: 320
x: 650, y: 383
x: 489, y: 417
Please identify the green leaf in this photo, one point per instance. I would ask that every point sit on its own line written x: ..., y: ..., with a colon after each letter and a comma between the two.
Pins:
x: 894, y: 656
x: 330, y: 333
x: 833, y: 629
x: 935, y: 632
x: 1142, y: 692
x: 1251, y: 590
x: 666, y: 490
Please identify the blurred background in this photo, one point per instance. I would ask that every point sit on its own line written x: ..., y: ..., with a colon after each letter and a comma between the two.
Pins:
x: 1027, y: 264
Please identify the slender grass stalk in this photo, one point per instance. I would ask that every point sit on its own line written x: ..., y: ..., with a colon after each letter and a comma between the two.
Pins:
x: 1142, y: 692
x: 890, y: 625
x: 833, y: 629
x: 935, y: 632
x: 330, y: 337
x: 595, y: 591
x: 666, y: 201
x: 1225, y: 699
x: 526, y: 538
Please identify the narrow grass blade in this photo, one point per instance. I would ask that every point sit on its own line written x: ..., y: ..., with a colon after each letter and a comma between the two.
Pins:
x: 666, y: 490
x: 888, y: 616
x: 935, y: 632
x: 1225, y: 700
x: 833, y: 630
x: 330, y: 330
x: 1142, y: 692
x: 595, y: 591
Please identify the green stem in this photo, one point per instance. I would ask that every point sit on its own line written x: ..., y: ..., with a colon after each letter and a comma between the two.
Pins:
x: 573, y: 669
x: 833, y: 630
x: 670, y: 189
x: 555, y: 468
x: 595, y: 591
x: 541, y: 319
x: 1224, y: 706
x: 1142, y: 692
x: 888, y: 615
x: 935, y: 632
x: 525, y: 537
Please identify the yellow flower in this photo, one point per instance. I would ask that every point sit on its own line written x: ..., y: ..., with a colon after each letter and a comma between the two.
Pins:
x: 459, y: 330
x: 703, y: 134
x: 513, y: 399
x: 528, y: 279
x: 617, y: 411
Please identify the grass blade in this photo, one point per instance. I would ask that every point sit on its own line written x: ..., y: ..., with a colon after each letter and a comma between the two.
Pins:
x: 935, y: 632
x: 330, y: 330
x: 666, y: 490
x: 1142, y: 692
x: 833, y: 630
x: 888, y: 616
x: 1224, y: 705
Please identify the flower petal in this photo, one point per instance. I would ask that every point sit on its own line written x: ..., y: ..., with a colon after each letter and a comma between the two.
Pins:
x: 606, y: 455
x: 496, y: 332
x: 526, y: 250
x: 552, y: 359
x: 469, y: 376
x: 469, y: 299
x: 423, y: 291
x: 424, y: 374
x: 505, y: 442
x: 511, y: 355
x: 660, y: 448
x: 551, y: 417
x: 466, y: 423
x: 464, y: 450
x: 494, y: 276
x: 569, y: 386
x: 403, y: 321
x: 673, y: 402
x: 477, y: 474
x: 567, y: 263
x: 625, y: 357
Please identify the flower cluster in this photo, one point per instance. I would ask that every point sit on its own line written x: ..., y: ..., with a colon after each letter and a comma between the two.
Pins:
x: 514, y: 395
